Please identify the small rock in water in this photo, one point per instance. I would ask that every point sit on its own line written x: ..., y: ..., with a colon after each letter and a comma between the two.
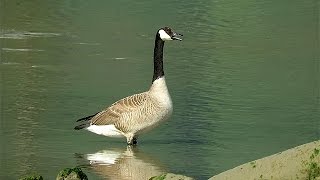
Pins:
x: 72, y: 174
x: 32, y: 177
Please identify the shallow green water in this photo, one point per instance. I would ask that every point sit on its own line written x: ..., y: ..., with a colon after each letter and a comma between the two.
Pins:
x: 244, y: 83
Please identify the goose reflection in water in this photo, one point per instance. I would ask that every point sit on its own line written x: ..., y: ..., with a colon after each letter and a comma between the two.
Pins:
x: 130, y: 164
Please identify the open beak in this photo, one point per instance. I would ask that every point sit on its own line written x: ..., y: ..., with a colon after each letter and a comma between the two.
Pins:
x: 176, y: 36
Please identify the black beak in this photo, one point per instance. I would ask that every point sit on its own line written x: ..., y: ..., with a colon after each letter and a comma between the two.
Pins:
x: 176, y: 36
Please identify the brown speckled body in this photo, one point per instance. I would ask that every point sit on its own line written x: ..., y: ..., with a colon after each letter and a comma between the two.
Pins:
x: 138, y: 113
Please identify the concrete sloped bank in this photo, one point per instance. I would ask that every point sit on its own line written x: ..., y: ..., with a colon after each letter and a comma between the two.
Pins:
x: 301, y: 162
x: 171, y: 176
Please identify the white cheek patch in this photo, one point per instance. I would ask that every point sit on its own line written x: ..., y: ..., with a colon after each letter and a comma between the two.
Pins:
x: 164, y: 36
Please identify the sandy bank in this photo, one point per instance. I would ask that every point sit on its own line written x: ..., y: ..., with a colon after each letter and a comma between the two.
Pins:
x: 301, y: 162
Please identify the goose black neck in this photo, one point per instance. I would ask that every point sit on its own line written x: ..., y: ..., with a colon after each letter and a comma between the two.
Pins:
x: 158, y: 58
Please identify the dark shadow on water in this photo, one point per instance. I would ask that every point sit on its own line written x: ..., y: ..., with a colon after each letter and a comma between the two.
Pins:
x: 124, y: 164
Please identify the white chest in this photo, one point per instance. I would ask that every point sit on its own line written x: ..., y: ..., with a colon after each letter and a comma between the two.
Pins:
x: 160, y: 93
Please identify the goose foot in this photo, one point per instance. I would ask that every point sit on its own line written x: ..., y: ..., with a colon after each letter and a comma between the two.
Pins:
x: 132, y: 141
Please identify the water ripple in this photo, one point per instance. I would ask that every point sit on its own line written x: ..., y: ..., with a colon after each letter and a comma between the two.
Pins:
x: 13, y: 34
x: 21, y: 49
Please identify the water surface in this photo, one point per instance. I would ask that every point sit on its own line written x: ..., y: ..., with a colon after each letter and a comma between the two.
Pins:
x: 244, y: 83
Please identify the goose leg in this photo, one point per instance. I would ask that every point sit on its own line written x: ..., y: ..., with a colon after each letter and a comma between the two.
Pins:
x: 131, y: 140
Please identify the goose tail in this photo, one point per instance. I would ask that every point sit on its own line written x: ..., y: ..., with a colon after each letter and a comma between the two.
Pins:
x: 85, y: 122
x: 81, y: 126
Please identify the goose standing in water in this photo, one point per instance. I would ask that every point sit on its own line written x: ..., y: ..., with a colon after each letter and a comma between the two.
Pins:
x: 138, y: 113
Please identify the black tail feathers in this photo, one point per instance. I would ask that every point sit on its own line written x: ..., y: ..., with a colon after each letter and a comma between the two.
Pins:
x: 81, y: 126
x: 86, y: 122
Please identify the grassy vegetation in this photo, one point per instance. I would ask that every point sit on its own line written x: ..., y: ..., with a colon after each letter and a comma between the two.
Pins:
x: 313, y: 166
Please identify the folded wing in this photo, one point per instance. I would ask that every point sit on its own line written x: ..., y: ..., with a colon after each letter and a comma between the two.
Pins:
x: 114, y: 112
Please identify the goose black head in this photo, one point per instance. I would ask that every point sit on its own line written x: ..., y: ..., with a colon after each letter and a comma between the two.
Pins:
x: 167, y: 34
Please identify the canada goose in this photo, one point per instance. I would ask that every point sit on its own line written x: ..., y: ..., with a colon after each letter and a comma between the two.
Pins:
x: 138, y: 113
